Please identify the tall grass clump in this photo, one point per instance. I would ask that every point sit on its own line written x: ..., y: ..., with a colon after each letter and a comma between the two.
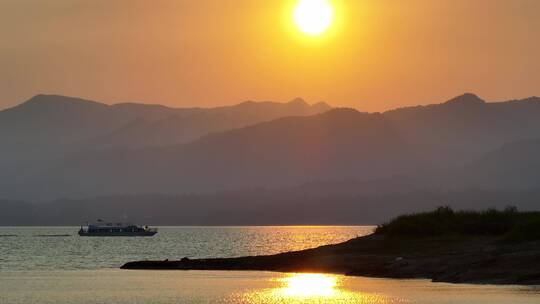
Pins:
x: 510, y: 223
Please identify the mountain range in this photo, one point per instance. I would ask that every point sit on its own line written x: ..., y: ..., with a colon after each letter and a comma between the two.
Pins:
x: 51, y: 126
x: 66, y: 149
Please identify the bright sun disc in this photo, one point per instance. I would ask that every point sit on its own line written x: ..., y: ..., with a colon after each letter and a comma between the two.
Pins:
x: 313, y: 17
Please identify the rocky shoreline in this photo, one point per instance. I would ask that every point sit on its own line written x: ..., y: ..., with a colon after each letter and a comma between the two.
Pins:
x: 452, y: 259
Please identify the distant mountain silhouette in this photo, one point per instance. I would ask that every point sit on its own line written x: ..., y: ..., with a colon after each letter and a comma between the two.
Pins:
x: 309, y: 204
x: 297, y: 152
x: 465, y: 127
x: 51, y: 126
x: 465, y: 100
x: 336, y: 144
x: 181, y: 128
x: 514, y: 166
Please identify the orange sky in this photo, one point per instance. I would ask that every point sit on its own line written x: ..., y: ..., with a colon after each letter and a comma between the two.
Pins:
x: 381, y: 54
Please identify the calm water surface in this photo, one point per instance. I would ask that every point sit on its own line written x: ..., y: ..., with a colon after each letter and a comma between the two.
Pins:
x: 65, y: 268
x: 54, y: 248
x: 123, y: 286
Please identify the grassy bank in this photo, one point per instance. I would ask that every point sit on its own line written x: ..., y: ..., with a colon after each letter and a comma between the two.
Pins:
x: 486, y: 247
x: 508, y: 224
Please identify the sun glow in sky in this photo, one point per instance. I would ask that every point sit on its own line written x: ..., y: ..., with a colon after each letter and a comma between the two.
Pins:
x: 313, y: 17
x: 371, y: 55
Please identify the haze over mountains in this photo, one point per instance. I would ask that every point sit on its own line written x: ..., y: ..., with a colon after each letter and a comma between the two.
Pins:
x: 51, y: 126
x: 251, y: 157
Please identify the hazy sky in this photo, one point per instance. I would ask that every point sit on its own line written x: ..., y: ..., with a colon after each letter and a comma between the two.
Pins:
x: 380, y: 54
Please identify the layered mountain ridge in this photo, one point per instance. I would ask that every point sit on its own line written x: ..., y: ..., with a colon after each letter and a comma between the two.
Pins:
x: 86, y: 149
x: 53, y: 126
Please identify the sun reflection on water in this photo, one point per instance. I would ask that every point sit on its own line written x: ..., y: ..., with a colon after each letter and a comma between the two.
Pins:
x: 309, y: 285
x: 310, y: 288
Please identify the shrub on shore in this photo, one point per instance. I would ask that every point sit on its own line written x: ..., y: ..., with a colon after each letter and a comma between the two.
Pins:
x: 508, y: 223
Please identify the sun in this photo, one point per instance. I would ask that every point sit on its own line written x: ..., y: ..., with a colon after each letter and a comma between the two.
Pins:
x: 313, y: 17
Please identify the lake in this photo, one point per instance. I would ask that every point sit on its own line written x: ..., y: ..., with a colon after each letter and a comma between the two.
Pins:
x: 55, y: 248
x: 54, y: 265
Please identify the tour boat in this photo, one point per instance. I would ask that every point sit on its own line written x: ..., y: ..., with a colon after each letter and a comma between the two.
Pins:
x: 119, y: 229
